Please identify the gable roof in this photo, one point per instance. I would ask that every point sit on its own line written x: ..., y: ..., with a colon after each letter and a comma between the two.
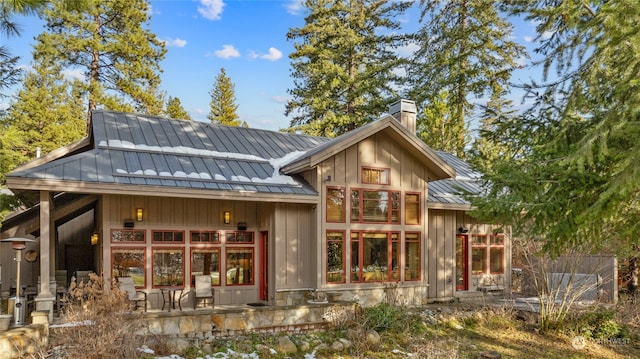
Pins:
x: 143, y: 154
x: 448, y: 193
x: 438, y: 168
x: 128, y: 153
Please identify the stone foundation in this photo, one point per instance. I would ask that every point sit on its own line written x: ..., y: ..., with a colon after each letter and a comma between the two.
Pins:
x: 22, y: 341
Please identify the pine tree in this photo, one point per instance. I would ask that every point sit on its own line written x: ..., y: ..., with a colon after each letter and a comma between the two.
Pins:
x: 47, y: 114
x: 107, y: 42
x: 438, y: 128
x: 223, y: 108
x: 175, y: 110
x: 465, y: 48
x: 343, y: 64
x: 485, y: 150
x: 574, y: 178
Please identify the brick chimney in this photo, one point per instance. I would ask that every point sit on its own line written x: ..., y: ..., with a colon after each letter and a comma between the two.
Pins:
x: 405, y: 112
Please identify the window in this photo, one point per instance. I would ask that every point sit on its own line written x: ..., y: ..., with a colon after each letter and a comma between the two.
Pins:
x: 375, y: 206
x: 412, y: 208
x: 239, y: 263
x: 335, y: 205
x: 239, y: 237
x: 375, y: 175
x: 335, y: 257
x: 206, y: 262
x: 205, y: 237
x: 412, y: 256
x: 168, y: 267
x: 496, y: 253
x: 127, y: 235
x: 487, y: 254
x: 374, y: 256
x: 167, y: 236
x: 129, y: 262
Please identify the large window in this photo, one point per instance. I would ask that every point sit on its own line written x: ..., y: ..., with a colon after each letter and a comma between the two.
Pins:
x: 239, y: 262
x: 412, y: 208
x: 374, y: 256
x: 412, y: 256
x: 205, y: 262
x: 335, y: 257
x: 375, y: 175
x: 129, y: 262
x: 335, y: 204
x: 369, y: 206
x: 487, y: 254
x: 168, y: 267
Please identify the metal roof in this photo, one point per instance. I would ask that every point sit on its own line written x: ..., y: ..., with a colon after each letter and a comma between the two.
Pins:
x: 136, y: 149
x: 152, y: 154
x: 450, y: 191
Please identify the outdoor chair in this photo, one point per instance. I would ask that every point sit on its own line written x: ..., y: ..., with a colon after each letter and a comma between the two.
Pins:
x: 137, y: 297
x: 204, y: 291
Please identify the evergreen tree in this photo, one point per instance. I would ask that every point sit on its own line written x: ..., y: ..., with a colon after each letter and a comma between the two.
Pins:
x: 223, y: 108
x: 574, y: 179
x: 465, y: 48
x: 438, y: 128
x: 107, y: 42
x: 175, y: 110
x: 343, y: 64
x: 47, y: 114
x: 484, y: 151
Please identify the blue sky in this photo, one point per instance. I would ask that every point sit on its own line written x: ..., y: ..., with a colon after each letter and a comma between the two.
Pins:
x: 245, y: 37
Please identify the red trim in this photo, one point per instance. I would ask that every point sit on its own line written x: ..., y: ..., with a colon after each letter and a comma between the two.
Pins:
x: 212, y: 233
x: 153, y: 252
x: 386, y: 170
x: 360, y: 241
x: 127, y: 230
x: 389, y: 203
x: 144, y: 259
x: 208, y: 248
x: 419, y: 214
x: 344, y: 255
x: 344, y: 204
x: 404, y: 264
x: 251, y: 268
x: 163, y: 231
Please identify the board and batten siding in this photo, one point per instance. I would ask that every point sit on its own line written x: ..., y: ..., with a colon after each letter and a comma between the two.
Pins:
x: 184, y: 214
x: 407, y: 174
x: 295, y: 254
x: 443, y: 229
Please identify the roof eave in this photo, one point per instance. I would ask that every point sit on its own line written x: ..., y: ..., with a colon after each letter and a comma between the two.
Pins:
x: 24, y: 184
x: 440, y: 169
x: 56, y: 154
x: 450, y: 206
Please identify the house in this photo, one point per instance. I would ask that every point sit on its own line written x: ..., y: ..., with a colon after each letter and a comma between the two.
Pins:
x: 272, y: 217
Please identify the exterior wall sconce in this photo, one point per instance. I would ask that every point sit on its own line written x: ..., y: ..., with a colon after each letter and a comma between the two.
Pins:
x: 139, y: 214
x: 463, y: 229
x: 94, y: 239
x: 227, y: 217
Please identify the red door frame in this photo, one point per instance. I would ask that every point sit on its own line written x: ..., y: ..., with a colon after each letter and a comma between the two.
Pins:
x: 465, y: 262
x: 264, y: 266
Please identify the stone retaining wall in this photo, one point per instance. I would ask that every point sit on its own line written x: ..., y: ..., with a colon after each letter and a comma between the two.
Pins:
x: 17, y: 342
x: 235, y: 321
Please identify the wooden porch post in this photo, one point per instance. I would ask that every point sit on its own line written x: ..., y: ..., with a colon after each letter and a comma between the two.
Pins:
x: 45, y: 299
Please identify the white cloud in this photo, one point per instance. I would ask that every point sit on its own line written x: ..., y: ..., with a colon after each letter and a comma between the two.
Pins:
x: 227, y: 52
x: 547, y: 35
x: 73, y: 74
x: 280, y: 99
x: 408, y: 49
x: 273, y: 55
x: 528, y: 38
x: 211, y: 9
x: 177, y: 42
x: 294, y: 7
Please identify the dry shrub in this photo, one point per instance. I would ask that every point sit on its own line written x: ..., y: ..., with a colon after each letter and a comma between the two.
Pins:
x: 100, y: 323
